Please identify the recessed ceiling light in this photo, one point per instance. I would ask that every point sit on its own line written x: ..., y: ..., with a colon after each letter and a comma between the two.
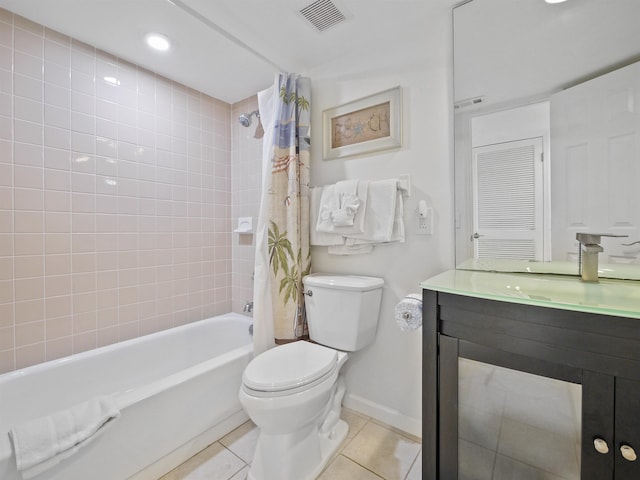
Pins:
x: 157, y: 41
x: 555, y: 1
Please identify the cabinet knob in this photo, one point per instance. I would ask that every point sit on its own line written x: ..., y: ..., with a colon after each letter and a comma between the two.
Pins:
x: 600, y: 445
x: 628, y: 453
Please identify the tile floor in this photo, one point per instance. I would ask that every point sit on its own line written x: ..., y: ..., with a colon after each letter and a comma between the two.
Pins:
x: 371, y: 451
x: 514, y: 425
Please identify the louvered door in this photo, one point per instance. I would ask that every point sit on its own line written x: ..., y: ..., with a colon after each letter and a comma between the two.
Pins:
x: 508, y: 200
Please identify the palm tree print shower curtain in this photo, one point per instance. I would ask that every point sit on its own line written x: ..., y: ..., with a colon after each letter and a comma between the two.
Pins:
x: 288, y: 210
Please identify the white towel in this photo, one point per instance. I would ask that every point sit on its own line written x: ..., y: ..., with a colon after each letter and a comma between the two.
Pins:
x: 346, y: 212
x: 41, y: 443
x: 342, y: 207
x: 362, y: 191
x: 316, y: 237
x: 381, y: 213
x: 398, y: 233
x: 328, y: 203
x: 398, y: 221
x: 350, y: 249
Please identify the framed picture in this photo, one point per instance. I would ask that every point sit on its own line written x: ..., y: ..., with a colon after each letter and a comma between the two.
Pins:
x: 366, y: 125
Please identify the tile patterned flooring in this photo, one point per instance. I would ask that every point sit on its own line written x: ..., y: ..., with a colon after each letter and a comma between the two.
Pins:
x: 371, y: 451
x: 515, y: 425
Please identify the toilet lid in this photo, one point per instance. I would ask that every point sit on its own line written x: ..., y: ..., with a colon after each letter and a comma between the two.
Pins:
x: 289, y: 366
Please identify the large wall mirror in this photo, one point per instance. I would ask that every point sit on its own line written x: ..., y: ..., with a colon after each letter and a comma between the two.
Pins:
x: 547, y: 134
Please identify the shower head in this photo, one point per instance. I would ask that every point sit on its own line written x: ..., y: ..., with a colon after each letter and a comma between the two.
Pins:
x: 245, y: 118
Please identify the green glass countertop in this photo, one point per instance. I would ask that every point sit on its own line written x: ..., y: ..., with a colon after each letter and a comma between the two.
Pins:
x: 617, y: 271
x: 608, y: 297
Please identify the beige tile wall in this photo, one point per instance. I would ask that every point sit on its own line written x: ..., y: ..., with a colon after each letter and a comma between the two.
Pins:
x: 246, y: 186
x: 115, y: 204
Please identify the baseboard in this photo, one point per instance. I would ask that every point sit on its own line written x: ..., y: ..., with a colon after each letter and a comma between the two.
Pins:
x: 189, y: 449
x: 393, y: 418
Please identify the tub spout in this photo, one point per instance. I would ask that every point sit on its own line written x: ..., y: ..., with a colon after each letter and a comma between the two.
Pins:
x: 248, y: 307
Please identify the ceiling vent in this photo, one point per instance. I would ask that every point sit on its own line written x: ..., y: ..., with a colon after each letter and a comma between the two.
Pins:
x: 322, y: 14
x: 469, y: 102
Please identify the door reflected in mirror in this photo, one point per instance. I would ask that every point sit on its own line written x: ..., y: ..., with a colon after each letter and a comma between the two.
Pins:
x: 547, y: 134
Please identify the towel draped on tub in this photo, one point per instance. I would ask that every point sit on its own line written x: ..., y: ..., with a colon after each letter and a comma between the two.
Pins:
x: 41, y: 443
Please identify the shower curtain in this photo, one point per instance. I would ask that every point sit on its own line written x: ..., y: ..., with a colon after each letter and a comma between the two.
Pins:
x: 283, y: 256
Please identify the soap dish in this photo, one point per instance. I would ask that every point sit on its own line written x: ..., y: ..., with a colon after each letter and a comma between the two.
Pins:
x: 245, y: 225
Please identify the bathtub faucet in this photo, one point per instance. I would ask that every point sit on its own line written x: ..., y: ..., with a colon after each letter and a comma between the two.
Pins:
x: 588, y: 254
x: 248, y: 307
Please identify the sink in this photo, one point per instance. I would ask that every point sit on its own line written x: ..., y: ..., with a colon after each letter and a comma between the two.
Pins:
x: 609, y: 296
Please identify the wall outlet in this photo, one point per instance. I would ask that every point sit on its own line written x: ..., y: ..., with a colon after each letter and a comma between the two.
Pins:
x: 425, y: 222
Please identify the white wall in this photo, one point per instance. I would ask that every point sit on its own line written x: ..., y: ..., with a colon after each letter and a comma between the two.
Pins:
x: 384, y: 380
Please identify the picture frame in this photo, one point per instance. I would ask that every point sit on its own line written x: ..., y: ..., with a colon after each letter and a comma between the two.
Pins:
x: 367, y: 125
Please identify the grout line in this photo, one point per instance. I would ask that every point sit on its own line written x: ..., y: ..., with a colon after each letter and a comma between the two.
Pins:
x: 413, y: 464
x: 13, y: 192
x: 359, y: 464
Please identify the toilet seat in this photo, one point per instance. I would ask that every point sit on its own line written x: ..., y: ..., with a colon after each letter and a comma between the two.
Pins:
x: 289, y: 368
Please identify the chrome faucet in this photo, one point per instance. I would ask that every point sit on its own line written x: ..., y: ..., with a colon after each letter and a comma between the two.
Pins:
x: 588, y: 254
x: 248, y: 307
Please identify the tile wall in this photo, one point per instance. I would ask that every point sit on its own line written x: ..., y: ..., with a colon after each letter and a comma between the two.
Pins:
x: 115, y: 203
x: 246, y: 187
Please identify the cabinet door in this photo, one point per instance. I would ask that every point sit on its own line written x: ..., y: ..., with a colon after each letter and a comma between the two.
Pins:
x: 627, y: 428
x: 597, y: 426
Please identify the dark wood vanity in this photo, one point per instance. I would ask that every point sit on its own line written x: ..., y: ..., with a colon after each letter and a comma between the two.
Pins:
x: 598, y: 351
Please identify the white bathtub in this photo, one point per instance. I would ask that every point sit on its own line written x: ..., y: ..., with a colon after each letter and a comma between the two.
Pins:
x: 177, y: 391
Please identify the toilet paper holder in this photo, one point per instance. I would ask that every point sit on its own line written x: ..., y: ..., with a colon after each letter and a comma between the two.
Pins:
x: 408, y: 312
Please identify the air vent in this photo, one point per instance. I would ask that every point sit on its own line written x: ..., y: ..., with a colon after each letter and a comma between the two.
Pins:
x: 322, y: 14
x: 468, y: 102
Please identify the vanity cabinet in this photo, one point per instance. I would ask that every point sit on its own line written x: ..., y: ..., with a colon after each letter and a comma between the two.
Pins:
x: 600, y: 352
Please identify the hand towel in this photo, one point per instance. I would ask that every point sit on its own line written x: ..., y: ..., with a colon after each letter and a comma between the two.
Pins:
x: 328, y: 203
x: 330, y: 217
x: 398, y: 235
x: 398, y: 232
x: 41, y: 443
x: 362, y: 193
x: 318, y: 238
x: 345, y: 214
x: 381, y: 213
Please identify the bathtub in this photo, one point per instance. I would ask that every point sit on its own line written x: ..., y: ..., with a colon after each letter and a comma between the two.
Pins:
x: 177, y: 391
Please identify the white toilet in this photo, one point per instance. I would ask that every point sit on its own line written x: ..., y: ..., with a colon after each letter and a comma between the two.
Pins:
x: 293, y: 392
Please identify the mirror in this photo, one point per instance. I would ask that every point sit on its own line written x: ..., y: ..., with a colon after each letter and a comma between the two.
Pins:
x: 547, y: 134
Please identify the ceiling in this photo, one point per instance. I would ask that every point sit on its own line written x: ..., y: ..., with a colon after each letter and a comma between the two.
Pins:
x: 537, y: 48
x: 231, y: 49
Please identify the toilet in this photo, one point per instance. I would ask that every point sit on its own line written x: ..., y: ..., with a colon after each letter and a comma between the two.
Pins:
x: 293, y: 392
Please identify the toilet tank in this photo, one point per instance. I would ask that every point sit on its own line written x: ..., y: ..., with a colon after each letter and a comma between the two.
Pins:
x: 342, y: 310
